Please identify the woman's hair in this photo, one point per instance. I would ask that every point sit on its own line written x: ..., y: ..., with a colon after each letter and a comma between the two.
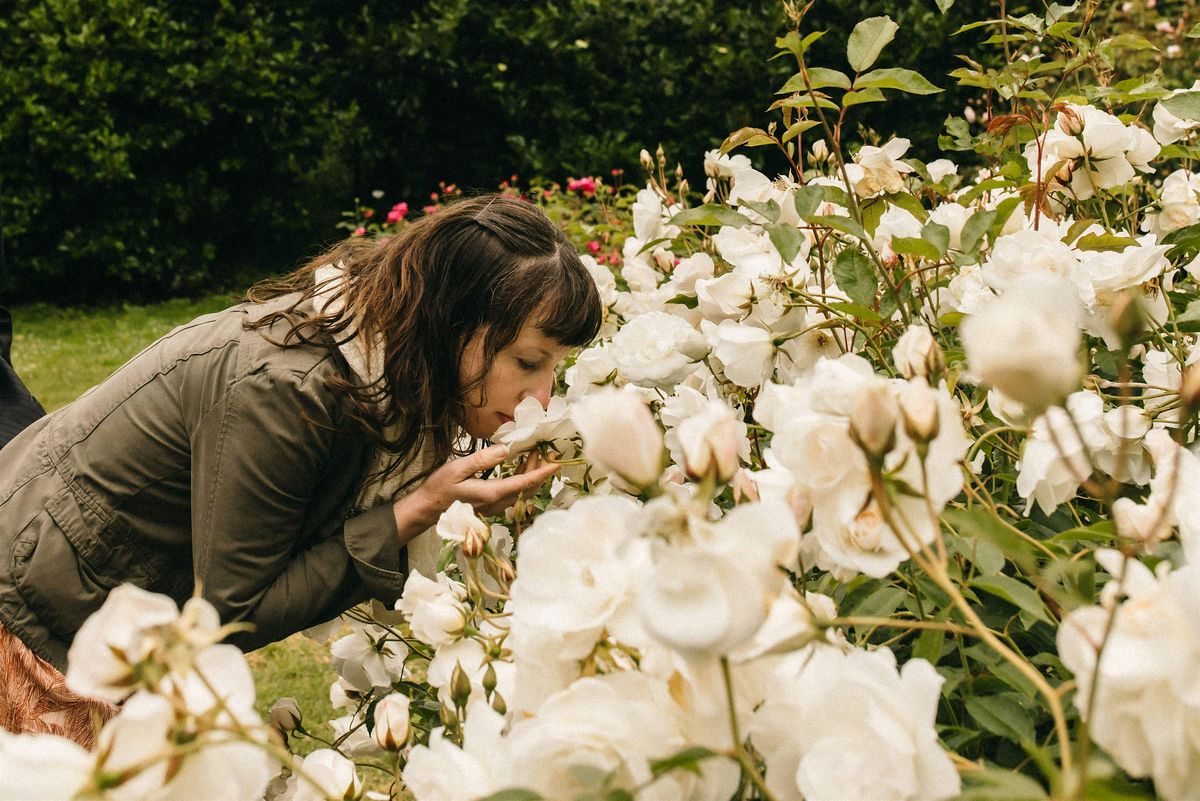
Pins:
x: 481, y: 265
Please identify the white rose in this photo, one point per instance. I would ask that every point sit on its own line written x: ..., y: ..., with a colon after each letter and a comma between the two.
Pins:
x: 1112, y: 271
x: 1146, y: 703
x: 713, y: 442
x: 746, y: 352
x: 1168, y: 128
x: 694, y: 268
x: 606, y: 283
x: 434, y: 608
x: 954, y: 216
x: 913, y: 351
x: 391, y: 721
x: 1179, y: 204
x: 868, y: 731
x: 620, y: 435
x: 1055, y: 460
x: 1029, y: 253
x: 593, y: 366
x: 878, y: 169
x: 1026, y: 342
x: 650, y: 217
x: 728, y: 296
x: 326, y: 774
x: 441, y: 771
x: 657, y: 350
x: 113, y: 640
x: 369, y: 656
x: 44, y: 767
x: 940, y: 168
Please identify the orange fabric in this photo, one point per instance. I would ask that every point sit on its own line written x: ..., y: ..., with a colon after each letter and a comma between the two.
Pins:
x: 34, y: 698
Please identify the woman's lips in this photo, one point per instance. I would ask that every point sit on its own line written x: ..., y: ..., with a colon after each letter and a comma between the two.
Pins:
x: 504, y: 418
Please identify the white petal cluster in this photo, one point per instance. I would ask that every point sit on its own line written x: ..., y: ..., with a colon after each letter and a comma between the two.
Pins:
x: 1089, y: 150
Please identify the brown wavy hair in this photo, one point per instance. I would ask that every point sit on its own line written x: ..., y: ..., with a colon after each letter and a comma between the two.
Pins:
x: 484, y: 265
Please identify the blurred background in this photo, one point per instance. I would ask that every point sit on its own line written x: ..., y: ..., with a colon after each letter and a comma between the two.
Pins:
x: 152, y: 149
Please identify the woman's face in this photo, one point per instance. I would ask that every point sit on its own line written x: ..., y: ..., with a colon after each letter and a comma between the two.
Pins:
x: 524, y: 369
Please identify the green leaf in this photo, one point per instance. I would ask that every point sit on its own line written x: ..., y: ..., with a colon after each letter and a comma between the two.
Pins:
x: 855, y: 275
x: 787, y: 239
x: 880, y: 603
x: 863, y: 96
x: 974, y: 228
x: 929, y: 645
x: 1185, y: 106
x: 982, y: 524
x: 997, y: 784
x: 1105, y: 241
x: 770, y: 209
x: 910, y: 81
x: 1002, y: 714
x: 840, y: 223
x: 915, y: 246
x: 691, y: 301
x: 807, y: 198
x: 937, y: 235
x: 867, y: 41
x: 798, y: 128
x: 1194, y: 33
x: 711, y: 214
x: 1017, y: 593
x: 688, y: 759
x: 835, y: 194
x: 792, y: 43
x: 944, y: 5
x: 909, y: 203
x: 589, y: 775
x: 855, y: 310
x: 513, y: 794
x: 818, y: 78
x: 750, y: 137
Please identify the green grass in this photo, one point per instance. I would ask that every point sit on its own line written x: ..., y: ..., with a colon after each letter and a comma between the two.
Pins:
x: 60, y: 353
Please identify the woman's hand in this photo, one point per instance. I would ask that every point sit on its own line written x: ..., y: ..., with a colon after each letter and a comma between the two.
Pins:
x: 456, y: 481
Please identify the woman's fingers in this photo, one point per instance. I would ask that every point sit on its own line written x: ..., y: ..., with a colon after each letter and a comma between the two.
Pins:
x: 482, y: 460
x: 495, y: 490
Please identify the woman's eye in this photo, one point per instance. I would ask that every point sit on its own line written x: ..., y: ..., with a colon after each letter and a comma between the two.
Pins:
x: 530, y: 366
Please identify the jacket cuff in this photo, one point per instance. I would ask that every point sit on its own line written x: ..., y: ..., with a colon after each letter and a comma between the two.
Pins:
x: 374, y: 546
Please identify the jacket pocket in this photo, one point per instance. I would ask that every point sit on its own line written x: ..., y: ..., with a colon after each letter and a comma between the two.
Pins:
x: 59, y: 586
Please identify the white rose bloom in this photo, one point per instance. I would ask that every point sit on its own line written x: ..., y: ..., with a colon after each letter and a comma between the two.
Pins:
x: 1176, y: 487
x: 940, y: 168
x: 746, y: 352
x: 133, y: 738
x: 1026, y: 342
x: 1168, y: 128
x: 657, y: 350
x: 1112, y: 271
x: 719, y: 165
x: 620, y: 435
x: 868, y: 731
x: 469, y: 654
x: 1179, y: 204
x: 713, y: 442
x: 794, y: 624
x: 751, y: 185
x: 355, y: 741
x: 878, y: 169
x: 606, y: 283
x: 1028, y: 253
x: 434, y: 608
x: 362, y: 663
x: 954, y: 216
x: 1055, y: 461
x: 750, y: 250
x: 894, y: 222
x: 594, y: 366
x: 967, y: 292
x: 728, y: 296
x: 651, y: 218
x: 574, y: 577
x: 532, y: 424
x: 325, y: 774
x: 459, y: 522
x: 638, y: 272
x: 912, y: 351
x: 42, y: 767
x: 1147, y: 710
x: 441, y: 771
x: 119, y: 635
x: 694, y: 268
x: 1123, y: 456
x: 222, y: 668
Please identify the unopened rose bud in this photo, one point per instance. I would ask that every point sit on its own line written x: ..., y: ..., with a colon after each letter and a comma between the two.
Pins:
x: 873, y: 422
x: 678, y: 171
x: 800, y: 502
x: 820, y: 151
x: 460, y: 685
x: 647, y: 162
x: 391, y: 722
x: 684, y: 188
x: 1069, y: 122
x: 448, y: 717
x: 743, y: 486
x: 1189, y: 389
x: 661, y: 156
x: 919, y: 411
x: 489, y: 679
x: 505, y: 570
x: 285, y: 716
x: 499, y: 705
x: 473, y: 543
x: 710, y: 196
x: 1127, y: 317
x: 663, y: 259
x: 916, y: 351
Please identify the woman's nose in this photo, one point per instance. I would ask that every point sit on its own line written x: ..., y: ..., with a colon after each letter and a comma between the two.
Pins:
x: 541, y: 391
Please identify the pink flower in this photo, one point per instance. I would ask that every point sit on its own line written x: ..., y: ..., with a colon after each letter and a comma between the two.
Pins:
x: 430, y: 209
x: 547, y: 193
x: 360, y: 231
x: 369, y: 213
x: 398, y: 212
x: 585, y: 185
x: 617, y: 171
x: 593, y: 246
x: 1164, y: 26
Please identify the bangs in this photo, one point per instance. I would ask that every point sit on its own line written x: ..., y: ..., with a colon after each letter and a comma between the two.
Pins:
x: 570, y: 302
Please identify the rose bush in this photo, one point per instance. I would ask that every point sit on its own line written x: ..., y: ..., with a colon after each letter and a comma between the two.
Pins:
x: 876, y: 484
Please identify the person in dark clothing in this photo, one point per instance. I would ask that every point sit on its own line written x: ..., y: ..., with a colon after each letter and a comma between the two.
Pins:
x: 18, y: 408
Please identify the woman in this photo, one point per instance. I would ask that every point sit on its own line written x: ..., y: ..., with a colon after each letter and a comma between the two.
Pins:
x: 278, y: 456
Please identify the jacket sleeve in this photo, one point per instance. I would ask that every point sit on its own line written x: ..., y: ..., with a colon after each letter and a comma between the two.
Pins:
x: 257, y: 456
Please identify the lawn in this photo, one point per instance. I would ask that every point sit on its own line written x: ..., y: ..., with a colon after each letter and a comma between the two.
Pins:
x: 60, y: 352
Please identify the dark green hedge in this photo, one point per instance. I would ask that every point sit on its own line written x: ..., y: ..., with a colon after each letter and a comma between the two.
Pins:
x: 157, y: 147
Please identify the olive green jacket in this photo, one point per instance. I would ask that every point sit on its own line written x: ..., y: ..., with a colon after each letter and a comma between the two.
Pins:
x: 214, y: 462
